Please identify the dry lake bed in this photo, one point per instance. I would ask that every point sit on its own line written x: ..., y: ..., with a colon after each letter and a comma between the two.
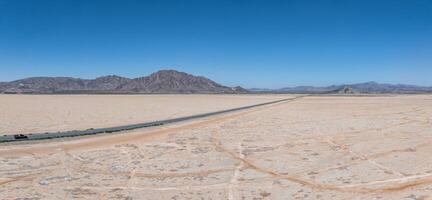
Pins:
x: 51, y: 113
x: 315, y: 147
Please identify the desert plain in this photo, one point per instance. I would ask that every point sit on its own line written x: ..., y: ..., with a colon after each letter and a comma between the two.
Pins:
x: 314, y: 147
x: 51, y: 113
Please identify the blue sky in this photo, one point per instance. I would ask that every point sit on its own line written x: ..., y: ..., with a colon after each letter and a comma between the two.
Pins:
x: 249, y: 43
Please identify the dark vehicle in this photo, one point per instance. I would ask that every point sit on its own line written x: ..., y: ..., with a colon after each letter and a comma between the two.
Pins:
x: 20, y: 137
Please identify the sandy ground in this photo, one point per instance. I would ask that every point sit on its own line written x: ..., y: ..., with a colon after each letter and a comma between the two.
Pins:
x: 51, y: 113
x: 310, y: 148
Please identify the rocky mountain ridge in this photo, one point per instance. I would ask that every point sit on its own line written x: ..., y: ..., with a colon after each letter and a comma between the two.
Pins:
x: 163, y: 81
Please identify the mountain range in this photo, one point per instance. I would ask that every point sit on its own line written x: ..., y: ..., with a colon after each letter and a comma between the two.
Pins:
x: 163, y: 81
x: 175, y: 82
x: 365, y: 88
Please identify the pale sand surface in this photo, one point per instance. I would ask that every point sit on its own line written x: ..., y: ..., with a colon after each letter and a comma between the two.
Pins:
x: 51, y: 113
x: 310, y: 148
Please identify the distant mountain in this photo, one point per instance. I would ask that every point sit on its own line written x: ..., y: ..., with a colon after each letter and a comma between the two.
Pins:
x: 366, y: 88
x: 164, y: 81
x: 260, y: 90
x: 171, y: 81
x: 373, y: 87
x: 240, y: 90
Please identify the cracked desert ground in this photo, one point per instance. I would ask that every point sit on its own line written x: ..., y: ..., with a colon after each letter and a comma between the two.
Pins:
x: 315, y: 147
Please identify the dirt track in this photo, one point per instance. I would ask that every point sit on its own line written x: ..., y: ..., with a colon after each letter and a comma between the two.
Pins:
x: 313, y: 148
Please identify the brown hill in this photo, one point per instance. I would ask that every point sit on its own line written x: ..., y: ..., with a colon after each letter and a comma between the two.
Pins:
x: 171, y: 81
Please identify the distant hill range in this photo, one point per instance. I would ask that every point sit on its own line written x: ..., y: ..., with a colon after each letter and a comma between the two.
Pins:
x: 365, y: 88
x: 164, y: 81
x: 175, y: 82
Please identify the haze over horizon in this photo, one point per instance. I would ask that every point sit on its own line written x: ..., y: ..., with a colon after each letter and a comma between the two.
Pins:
x: 248, y: 43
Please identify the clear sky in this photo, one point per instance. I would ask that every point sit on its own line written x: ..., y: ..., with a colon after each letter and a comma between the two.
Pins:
x: 249, y: 43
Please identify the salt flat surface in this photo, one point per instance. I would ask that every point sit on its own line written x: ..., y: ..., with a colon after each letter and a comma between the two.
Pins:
x: 310, y: 148
x: 51, y: 113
